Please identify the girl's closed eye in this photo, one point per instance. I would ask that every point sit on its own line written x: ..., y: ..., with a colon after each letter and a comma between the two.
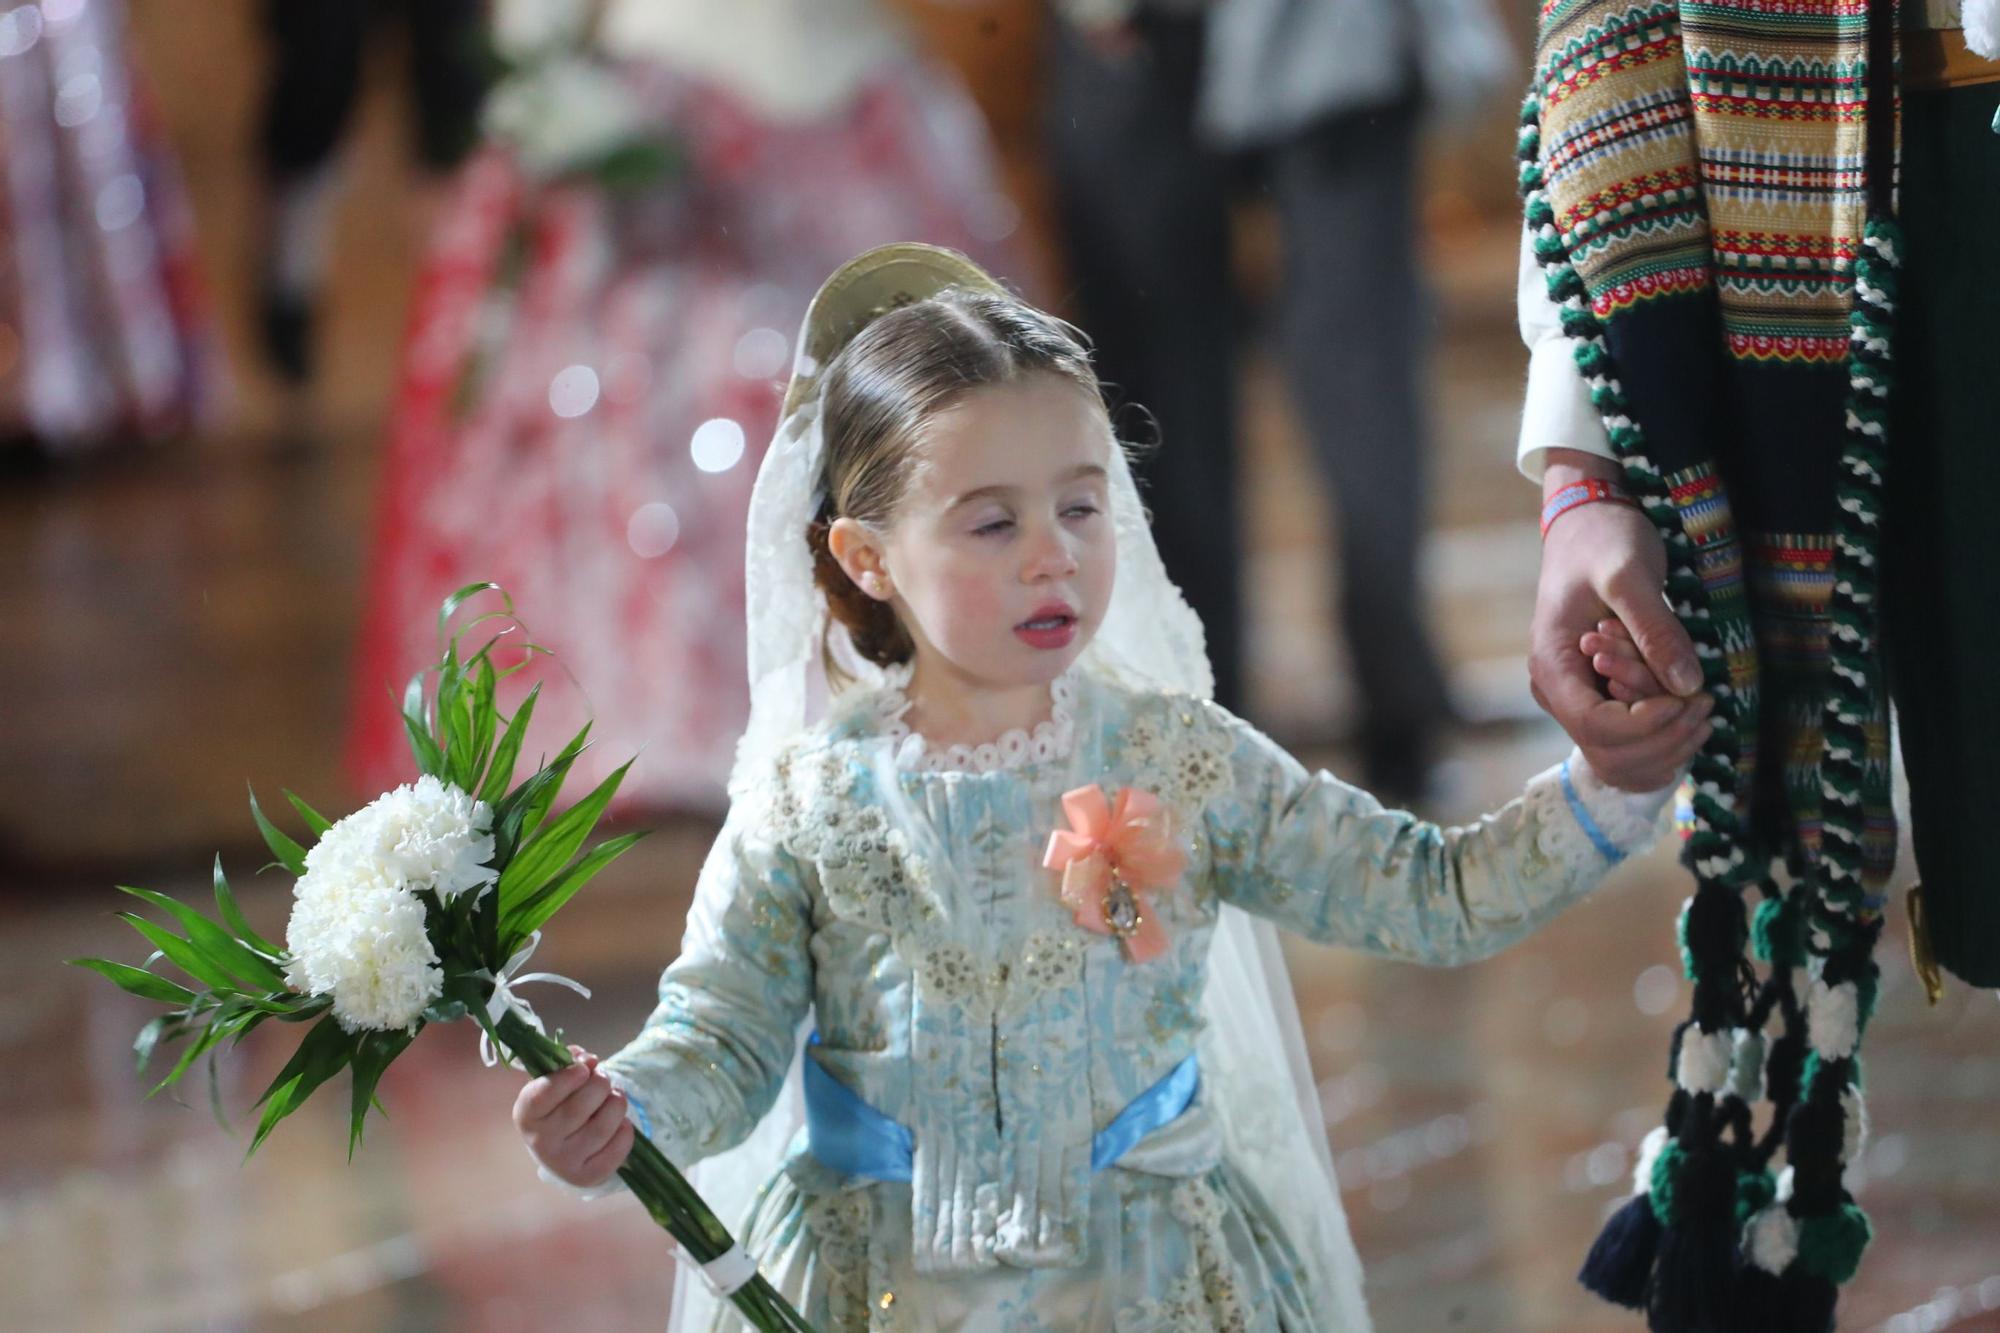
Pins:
x: 993, y: 527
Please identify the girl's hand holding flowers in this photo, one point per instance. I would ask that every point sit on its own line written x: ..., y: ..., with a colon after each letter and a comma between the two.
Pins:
x: 574, y: 1122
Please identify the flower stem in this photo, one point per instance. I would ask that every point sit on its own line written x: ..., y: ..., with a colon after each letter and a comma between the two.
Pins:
x: 656, y: 1183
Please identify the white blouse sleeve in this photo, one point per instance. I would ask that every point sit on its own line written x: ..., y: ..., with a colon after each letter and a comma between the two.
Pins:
x: 1556, y: 412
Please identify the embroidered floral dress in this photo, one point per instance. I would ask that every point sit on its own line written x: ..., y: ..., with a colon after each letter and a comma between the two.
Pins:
x: 898, y: 896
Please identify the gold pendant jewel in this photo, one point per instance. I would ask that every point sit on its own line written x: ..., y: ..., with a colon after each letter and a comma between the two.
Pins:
x: 1121, y: 910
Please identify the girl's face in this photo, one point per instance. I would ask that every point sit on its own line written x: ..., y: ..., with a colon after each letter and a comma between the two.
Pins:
x: 1000, y: 557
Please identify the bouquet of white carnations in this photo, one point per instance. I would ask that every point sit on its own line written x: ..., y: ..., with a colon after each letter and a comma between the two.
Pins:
x: 419, y: 908
x: 563, y: 104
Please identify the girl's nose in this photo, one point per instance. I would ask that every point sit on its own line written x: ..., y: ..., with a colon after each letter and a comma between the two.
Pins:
x: 1050, y: 558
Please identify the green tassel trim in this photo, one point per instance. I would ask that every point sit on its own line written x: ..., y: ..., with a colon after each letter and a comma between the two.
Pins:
x: 1831, y: 1246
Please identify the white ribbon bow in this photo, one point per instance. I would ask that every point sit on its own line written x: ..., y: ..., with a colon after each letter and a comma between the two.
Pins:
x: 504, y: 999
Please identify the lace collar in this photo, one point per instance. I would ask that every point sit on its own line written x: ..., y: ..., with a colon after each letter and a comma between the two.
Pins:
x: 1012, y: 749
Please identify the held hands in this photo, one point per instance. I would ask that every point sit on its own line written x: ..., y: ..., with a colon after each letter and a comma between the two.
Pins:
x: 1599, y: 613
x: 574, y: 1122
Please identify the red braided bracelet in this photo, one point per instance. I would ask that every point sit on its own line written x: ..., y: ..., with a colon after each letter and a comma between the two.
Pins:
x: 1584, y: 492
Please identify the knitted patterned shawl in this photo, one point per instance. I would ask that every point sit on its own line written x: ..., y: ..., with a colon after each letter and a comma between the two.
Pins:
x: 1709, y: 187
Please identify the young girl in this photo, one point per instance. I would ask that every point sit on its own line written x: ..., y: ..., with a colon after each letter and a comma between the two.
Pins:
x: 1054, y: 1079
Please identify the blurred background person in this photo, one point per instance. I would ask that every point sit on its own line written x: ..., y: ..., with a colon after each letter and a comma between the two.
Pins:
x: 599, y: 338
x: 317, y: 50
x: 105, y: 333
x: 1159, y: 112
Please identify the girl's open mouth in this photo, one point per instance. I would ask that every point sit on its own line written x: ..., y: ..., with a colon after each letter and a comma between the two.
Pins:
x: 1050, y: 627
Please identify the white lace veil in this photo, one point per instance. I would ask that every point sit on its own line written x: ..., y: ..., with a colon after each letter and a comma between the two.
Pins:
x: 1258, y: 1081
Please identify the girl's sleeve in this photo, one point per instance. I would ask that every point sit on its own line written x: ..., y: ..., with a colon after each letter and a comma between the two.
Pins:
x: 712, y: 1057
x: 1327, y: 860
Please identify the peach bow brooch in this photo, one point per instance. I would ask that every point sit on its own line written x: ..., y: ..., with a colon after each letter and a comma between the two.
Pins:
x: 1112, y: 855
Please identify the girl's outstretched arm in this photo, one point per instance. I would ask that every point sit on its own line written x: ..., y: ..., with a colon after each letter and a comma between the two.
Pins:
x: 1327, y: 860
x: 713, y: 1056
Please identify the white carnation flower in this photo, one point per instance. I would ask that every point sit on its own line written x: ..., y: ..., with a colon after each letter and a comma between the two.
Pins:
x: 561, y: 114
x: 425, y: 835
x: 357, y: 930
x: 524, y: 29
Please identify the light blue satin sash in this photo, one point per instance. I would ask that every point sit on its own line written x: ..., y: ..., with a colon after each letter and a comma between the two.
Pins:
x: 847, y: 1134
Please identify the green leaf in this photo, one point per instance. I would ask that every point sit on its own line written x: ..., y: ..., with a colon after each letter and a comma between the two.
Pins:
x: 413, y: 700
x: 315, y: 821
x: 535, y: 807
x: 373, y: 1054
x: 444, y: 1011
x: 548, y: 900
x: 637, y: 165
x: 485, y: 718
x: 290, y: 855
x: 151, y: 1035
x: 500, y: 775
x: 511, y: 818
x: 211, y: 1033
x: 429, y: 758
x: 416, y: 722
x: 215, y: 1105
x: 456, y: 724
x: 312, y: 1008
x: 253, y: 969
x: 225, y: 902
x: 137, y: 981
x: 464, y: 595
x: 325, y: 1051
x: 183, y: 954
x: 538, y: 861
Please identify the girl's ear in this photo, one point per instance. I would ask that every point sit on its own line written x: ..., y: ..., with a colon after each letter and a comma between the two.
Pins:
x: 860, y: 554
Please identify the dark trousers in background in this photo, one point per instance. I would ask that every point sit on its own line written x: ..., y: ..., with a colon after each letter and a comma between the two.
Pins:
x: 315, y: 77
x: 1144, y: 206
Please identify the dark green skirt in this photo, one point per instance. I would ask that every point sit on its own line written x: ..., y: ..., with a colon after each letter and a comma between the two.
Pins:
x: 1941, y: 557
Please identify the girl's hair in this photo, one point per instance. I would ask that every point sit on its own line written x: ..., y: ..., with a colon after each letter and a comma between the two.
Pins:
x: 881, y: 392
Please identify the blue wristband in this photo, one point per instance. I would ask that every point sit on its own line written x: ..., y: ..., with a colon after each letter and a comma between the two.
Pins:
x: 1608, y: 848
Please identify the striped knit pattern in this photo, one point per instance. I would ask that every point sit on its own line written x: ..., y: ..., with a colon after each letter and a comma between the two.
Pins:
x: 1703, y: 505
x: 1713, y: 157
x: 1779, y: 91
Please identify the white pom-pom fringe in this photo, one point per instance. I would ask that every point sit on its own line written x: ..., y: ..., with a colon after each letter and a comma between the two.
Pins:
x: 1772, y: 1238
x: 1704, y: 1062
x: 1650, y: 1148
x: 1746, y: 1069
x: 1854, y: 1125
x: 1833, y: 1018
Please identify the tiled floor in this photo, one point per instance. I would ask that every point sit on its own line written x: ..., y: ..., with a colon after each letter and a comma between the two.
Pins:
x: 177, y: 624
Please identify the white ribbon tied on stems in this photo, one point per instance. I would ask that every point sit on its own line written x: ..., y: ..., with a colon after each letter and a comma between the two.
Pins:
x: 504, y: 999
x: 729, y: 1272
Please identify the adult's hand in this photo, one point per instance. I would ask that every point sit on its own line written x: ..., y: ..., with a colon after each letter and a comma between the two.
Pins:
x: 1599, y: 560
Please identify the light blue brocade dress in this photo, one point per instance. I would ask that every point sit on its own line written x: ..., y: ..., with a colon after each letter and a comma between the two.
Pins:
x: 898, y: 896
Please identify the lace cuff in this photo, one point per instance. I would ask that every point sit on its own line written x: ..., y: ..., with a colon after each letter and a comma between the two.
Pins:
x: 1587, y: 825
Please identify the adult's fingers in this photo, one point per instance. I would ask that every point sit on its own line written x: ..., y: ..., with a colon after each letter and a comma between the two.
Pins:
x: 1634, y: 597
x: 1566, y: 687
